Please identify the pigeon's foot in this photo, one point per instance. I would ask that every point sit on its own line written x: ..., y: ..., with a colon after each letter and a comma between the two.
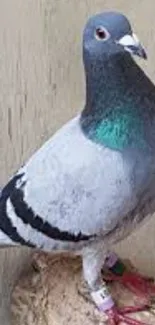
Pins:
x: 120, y: 316
x: 141, y: 286
x: 104, y: 302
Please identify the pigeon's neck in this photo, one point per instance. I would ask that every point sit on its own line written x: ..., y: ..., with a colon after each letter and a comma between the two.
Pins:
x: 111, y: 115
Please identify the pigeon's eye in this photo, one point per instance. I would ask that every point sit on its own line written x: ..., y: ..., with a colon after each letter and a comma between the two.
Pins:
x: 101, y: 34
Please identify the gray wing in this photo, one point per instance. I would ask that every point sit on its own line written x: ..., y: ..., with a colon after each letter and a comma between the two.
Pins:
x: 65, y: 193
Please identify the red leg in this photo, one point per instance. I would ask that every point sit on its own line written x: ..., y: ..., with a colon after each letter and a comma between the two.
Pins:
x: 142, y: 287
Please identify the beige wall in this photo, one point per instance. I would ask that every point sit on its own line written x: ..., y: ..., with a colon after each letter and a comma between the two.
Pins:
x: 41, y: 86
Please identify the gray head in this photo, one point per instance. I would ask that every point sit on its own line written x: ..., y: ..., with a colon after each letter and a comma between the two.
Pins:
x: 109, y: 35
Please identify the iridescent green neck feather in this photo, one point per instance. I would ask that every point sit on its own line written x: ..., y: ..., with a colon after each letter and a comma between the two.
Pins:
x: 114, y: 114
x: 121, y: 129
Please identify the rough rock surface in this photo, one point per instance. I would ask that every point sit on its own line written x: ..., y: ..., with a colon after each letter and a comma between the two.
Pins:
x: 51, y: 294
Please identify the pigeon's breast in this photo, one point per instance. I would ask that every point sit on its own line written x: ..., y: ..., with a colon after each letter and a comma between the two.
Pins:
x: 137, y: 217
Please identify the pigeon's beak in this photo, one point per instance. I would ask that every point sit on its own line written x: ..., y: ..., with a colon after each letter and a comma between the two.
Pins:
x: 131, y: 44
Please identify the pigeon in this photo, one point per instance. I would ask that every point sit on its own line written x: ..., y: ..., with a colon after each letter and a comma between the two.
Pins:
x: 93, y: 182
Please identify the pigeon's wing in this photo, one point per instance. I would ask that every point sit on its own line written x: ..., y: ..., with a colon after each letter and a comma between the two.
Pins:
x: 65, y: 193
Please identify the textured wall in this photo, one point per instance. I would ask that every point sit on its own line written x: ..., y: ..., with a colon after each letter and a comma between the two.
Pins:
x: 41, y: 86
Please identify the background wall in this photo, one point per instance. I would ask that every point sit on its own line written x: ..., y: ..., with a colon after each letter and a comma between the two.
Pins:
x: 42, y: 86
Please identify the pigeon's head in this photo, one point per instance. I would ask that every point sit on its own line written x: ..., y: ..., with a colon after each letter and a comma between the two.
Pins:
x: 109, y: 35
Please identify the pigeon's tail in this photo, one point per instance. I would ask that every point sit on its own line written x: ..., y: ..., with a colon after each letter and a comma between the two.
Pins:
x: 5, y: 239
x: 10, y: 228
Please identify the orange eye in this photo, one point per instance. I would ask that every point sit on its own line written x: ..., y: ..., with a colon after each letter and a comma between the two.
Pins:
x: 101, y: 34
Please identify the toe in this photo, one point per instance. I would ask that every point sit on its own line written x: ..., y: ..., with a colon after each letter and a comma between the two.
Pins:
x: 119, y: 316
x: 131, y: 321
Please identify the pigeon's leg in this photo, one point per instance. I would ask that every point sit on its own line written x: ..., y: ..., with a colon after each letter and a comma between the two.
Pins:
x: 139, y: 285
x: 93, y: 260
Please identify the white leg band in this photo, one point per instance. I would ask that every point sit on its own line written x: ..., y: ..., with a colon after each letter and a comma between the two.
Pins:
x: 102, y: 299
